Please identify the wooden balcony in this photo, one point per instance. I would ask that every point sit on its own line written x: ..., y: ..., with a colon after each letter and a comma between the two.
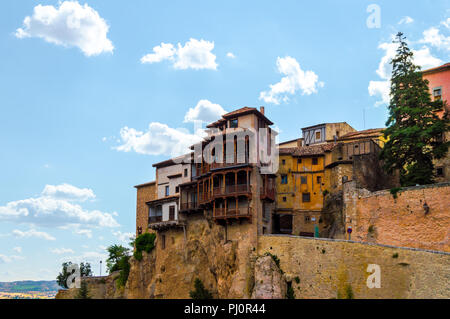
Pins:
x: 188, y: 206
x: 154, y: 219
x: 231, y: 190
x: 225, y: 164
x: 267, y: 193
x: 232, y: 213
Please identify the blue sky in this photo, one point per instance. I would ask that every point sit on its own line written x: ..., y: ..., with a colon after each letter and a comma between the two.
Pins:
x: 92, y: 93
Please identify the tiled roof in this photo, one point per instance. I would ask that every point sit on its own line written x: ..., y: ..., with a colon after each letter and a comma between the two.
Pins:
x: 176, y: 160
x: 374, y: 132
x: 439, y: 68
x: 242, y: 111
x: 307, y: 150
x: 164, y: 199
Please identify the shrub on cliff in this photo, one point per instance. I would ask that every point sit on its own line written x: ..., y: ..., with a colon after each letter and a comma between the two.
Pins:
x: 124, y: 267
x: 200, y: 292
x: 116, y: 253
x: 144, y: 242
x: 83, y: 293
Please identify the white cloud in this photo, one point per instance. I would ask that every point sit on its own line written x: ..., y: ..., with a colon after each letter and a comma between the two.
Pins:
x: 195, y: 54
x: 68, y: 192
x: 18, y: 249
x: 123, y: 237
x: 62, y: 251
x: 434, y: 37
x: 406, y: 20
x: 159, y: 139
x: 446, y: 23
x: 32, y: 233
x: 296, y: 79
x: 84, y: 232
x: 53, y: 209
x: 8, y: 259
x: 204, y: 111
x: 381, y: 88
x: 231, y: 55
x: 69, y: 25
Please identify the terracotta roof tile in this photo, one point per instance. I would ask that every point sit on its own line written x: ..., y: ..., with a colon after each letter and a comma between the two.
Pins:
x: 307, y: 150
x: 374, y: 132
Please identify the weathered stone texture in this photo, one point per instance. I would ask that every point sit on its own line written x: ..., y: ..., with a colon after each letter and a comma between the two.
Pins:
x: 329, y: 269
x: 402, y: 221
x: 269, y: 281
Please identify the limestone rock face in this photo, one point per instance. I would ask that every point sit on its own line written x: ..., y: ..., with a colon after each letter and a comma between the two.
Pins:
x: 269, y: 281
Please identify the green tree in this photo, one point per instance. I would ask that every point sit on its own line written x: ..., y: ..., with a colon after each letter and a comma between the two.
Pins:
x: 200, y: 292
x: 116, y: 253
x: 414, y: 131
x: 83, y: 293
x: 61, y: 279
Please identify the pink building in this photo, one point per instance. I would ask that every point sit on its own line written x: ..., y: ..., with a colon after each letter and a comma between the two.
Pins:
x: 439, y: 83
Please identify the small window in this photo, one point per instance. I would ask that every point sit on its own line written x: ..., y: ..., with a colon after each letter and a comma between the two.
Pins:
x: 234, y: 123
x: 283, y: 179
x: 440, y: 171
x: 185, y: 172
x: 283, y: 162
x: 437, y: 93
x: 299, y: 161
x: 177, y: 189
x: 319, y: 179
x: 307, y: 219
x: 304, y: 179
x: 306, y: 197
x: 317, y: 136
x: 284, y: 199
x: 315, y: 161
x: 167, y: 190
x: 344, y: 178
x: 172, y: 212
x: 163, y: 241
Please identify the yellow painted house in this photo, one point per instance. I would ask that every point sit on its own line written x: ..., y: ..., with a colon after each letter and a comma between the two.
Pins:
x: 300, y: 185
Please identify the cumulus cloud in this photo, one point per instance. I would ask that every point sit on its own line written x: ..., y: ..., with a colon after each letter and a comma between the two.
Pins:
x: 204, y: 111
x: 32, y: 233
x: 18, y: 249
x: 381, y: 88
x: 68, y: 192
x: 194, y: 54
x: 434, y: 37
x: 124, y: 237
x: 69, y: 25
x: 231, y: 55
x: 62, y: 251
x: 56, y: 208
x: 8, y: 259
x: 158, y: 139
x: 307, y: 82
x: 406, y: 20
x: 84, y: 232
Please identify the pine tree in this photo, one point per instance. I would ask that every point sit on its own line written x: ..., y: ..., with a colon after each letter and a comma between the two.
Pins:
x: 414, y: 131
x: 83, y: 293
x: 200, y: 292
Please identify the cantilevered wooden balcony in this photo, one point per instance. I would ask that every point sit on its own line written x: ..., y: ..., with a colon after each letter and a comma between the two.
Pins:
x: 267, y: 193
x: 189, y: 206
x: 232, y: 213
x: 232, y: 190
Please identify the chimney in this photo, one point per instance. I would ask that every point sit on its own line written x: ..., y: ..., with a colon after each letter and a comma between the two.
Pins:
x: 261, y: 109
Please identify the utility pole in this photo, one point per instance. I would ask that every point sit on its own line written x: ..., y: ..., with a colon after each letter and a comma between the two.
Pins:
x: 100, y: 268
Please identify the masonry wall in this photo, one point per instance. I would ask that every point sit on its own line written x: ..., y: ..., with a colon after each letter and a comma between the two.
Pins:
x: 380, y: 218
x: 145, y: 194
x: 335, y: 269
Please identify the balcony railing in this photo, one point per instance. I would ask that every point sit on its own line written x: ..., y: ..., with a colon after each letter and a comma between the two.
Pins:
x: 188, y: 206
x: 225, y: 164
x: 231, y: 189
x: 267, y: 193
x: 154, y: 219
x: 232, y: 212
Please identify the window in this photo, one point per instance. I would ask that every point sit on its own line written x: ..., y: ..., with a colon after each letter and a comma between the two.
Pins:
x: 307, y: 219
x: 440, y: 171
x: 344, y: 178
x: 299, y: 161
x: 304, y: 179
x: 177, y: 189
x: 315, y: 161
x: 172, y: 212
x: 283, y: 162
x: 283, y: 179
x: 234, y: 123
x: 317, y: 135
x: 306, y: 197
x: 319, y: 179
x: 437, y: 93
x: 163, y: 241
x: 167, y: 190
x: 284, y: 199
x: 185, y: 172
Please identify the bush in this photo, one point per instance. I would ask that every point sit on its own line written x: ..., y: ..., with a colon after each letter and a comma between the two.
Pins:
x: 200, y: 292
x: 297, y: 280
x: 394, y: 191
x: 290, y: 294
x: 144, y: 242
x: 124, y: 266
x: 395, y: 255
x: 83, y: 293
